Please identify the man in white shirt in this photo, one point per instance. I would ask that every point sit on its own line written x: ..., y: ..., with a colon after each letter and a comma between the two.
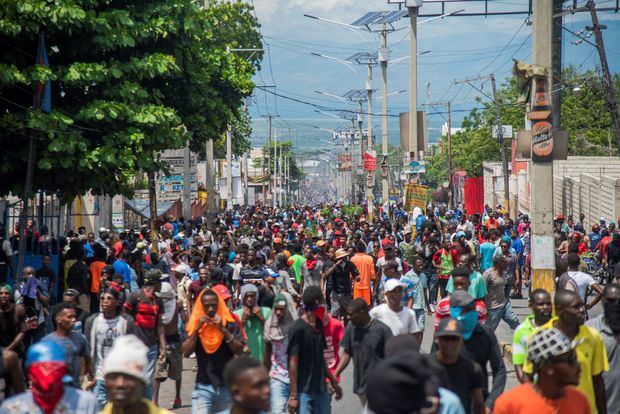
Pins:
x: 401, y: 320
x: 582, y: 280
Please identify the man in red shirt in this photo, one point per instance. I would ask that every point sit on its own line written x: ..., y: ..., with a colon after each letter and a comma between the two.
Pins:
x: 460, y: 280
x: 147, y: 311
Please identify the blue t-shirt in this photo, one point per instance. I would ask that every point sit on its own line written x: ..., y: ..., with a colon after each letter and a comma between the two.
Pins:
x: 450, y: 403
x: 487, y: 249
x: 122, y: 268
x: 76, y: 347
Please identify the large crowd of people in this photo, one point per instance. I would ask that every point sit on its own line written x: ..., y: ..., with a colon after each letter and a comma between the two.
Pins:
x: 270, y: 307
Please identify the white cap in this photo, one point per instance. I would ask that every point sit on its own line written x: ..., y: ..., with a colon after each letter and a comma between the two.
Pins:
x: 128, y: 356
x: 392, y: 284
x: 102, y: 229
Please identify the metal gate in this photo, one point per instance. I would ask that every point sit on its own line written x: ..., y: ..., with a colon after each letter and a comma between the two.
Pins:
x: 42, y: 232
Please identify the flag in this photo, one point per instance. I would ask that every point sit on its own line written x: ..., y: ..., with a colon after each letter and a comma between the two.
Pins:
x: 44, y: 90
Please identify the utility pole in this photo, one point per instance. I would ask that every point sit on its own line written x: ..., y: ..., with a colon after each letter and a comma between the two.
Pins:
x: 152, y: 210
x: 280, y: 174
x: 556, y: 68
x: 413, y: 83
x: 245, y: 178
x: 187, y: 186
x: 352, y: 146
x: 229, y: 186
x: 609, y: 87
x: 361, y: 149
x: 275, y: 159
x: 268, y: 169
x: 369, y: 146
x: 383, y: 58
x: 502, y: 146
x: 541, y: 173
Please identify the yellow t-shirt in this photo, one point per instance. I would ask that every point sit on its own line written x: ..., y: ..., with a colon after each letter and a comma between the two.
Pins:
x: 591, y: 356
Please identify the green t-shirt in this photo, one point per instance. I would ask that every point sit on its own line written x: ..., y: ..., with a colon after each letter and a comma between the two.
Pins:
x: 519, y: 340
x: 297, y: 261
x: 254, y: 331
x: 477, y: 288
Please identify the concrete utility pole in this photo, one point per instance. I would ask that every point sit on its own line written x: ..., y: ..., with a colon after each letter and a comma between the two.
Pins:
x: 361, y: 149
x: 187, y: 186
x: 609, y: 87
x: 369, y: 146
x: 541, y: 184
x: 556, y: 96
x: 267, y: 170
x: 245, y: 178
x: 413, y: 83
x: 502, y: 146
x: 383, y: 58
x: 274, y: 159
x: 229, y: 186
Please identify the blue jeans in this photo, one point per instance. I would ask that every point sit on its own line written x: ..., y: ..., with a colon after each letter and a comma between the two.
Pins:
x: 207, y: 399
x: 152, y: 358
x: 101, y: 394
x: 279, y: 396
x: 494, y: 316
x: 314, y: 403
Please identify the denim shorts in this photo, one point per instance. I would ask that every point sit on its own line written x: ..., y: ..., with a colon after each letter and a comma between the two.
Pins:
x: 207, y: 399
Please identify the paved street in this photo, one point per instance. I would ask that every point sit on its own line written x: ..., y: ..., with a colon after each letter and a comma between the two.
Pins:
x: 350, y: 404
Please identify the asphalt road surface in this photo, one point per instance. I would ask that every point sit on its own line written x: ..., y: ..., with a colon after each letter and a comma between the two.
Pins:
x: 350, y: 403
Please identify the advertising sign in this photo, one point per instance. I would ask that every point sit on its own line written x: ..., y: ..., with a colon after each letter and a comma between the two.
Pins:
x: 344, y: 161
x: 370, y: 160
x: 542, y: 134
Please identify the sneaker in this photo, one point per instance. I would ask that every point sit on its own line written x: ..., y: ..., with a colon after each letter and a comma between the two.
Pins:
x: 177, y: 404
x: 192, y: 356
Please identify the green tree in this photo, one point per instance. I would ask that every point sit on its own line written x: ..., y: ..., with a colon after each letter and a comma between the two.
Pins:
x: 129, y: 80
x: 584, y: 115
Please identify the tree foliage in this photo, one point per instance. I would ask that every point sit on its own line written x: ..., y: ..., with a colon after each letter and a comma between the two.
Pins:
x: 129, y: 80
x: 584, y: 115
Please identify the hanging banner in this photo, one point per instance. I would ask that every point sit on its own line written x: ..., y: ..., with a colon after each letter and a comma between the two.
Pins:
x: 415, y: 196
x: 370, y: 160
x: 344, y: 161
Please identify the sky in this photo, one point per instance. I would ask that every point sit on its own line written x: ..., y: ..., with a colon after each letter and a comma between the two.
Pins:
x: 460, y: 47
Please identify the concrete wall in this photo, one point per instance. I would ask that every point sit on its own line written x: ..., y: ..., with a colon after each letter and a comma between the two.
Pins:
x: 588, y: 185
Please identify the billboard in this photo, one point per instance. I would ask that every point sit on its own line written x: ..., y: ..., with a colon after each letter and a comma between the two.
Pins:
x: 344, y: 161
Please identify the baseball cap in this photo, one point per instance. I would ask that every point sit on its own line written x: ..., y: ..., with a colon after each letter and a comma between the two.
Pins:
x: 153, y: 276
x: 392, y: 284
x: 460, y: 298
x: 547, y: 343
x: 449, y: 327
x: 388, y: 246
x: 222, y: 291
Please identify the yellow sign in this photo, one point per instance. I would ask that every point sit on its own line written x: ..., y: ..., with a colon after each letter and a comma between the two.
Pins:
x: 415, y: 196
